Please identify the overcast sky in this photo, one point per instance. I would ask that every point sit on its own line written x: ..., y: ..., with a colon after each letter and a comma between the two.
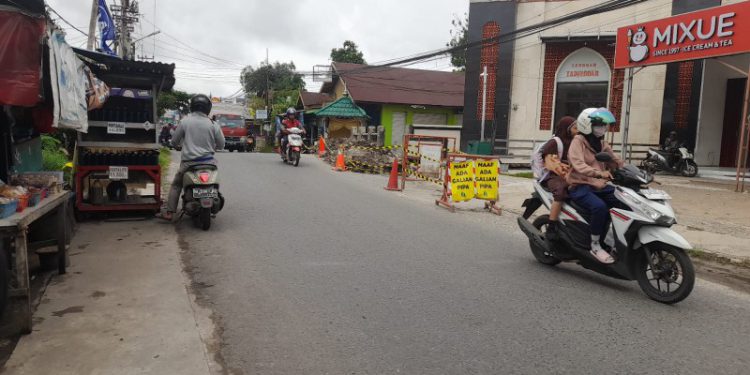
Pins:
x: 303, y: 31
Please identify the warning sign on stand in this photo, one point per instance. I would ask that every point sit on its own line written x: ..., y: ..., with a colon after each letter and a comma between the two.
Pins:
x: 486, y: 178
x: 462, y: 181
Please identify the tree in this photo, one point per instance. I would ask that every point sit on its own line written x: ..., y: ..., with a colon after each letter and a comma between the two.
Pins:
x: 173, y: 100
x: 276, y: 77
x: 349, y: 53
x: 459, y: 37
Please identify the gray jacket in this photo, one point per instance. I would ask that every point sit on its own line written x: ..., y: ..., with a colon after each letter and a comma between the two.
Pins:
x: 200, y: 137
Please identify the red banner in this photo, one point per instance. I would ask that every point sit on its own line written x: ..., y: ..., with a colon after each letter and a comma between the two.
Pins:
x: 713, y: 32
x: 20, y: 58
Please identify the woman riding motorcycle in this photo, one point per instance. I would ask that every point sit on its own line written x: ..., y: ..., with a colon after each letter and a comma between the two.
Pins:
x: 588, y: 178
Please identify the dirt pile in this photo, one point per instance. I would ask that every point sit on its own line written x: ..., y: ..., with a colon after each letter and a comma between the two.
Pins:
x: 363, y: 156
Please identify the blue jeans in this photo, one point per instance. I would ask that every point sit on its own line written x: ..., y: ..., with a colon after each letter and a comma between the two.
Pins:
x: 598, y: 203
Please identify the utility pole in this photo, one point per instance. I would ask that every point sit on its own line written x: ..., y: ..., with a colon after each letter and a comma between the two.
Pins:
x: 126, y: 14
x: 626, y: 115
x: 92, y: 25
x: 484, y: 101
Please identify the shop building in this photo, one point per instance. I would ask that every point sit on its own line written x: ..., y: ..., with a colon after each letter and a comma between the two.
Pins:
x: 535, y: 80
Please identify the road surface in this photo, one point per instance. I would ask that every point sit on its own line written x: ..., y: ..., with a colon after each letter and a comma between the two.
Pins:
x: 310, y: 271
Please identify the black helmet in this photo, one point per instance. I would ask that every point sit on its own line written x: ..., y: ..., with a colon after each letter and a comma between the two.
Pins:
x: 200, y: 103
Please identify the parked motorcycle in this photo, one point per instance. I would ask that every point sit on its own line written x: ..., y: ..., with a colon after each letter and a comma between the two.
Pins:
x: 644, y: 246
x: 201, y: 199
x: 293, y: 146
x: 679, y: 160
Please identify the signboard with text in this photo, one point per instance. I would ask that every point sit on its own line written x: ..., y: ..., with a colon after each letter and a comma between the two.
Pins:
x: 462, y: 181
x: 713, y: 32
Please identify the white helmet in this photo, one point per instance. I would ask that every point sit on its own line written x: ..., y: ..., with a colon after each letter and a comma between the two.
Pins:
x: 583, y: 123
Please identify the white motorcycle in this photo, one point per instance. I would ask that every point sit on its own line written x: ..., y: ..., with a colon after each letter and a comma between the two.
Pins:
x: 640, y: 237
x: 293, y: 148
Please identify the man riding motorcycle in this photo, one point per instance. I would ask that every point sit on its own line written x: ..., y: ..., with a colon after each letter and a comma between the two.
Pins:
x: 289, y: 122
x: 200, y: 138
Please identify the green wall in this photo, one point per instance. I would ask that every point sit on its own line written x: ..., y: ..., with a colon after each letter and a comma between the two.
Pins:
x: 386, y: 117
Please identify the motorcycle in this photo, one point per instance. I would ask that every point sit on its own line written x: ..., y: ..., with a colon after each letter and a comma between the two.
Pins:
x: 201, y: 199
x: 679, y: 161
x: 293, y: 147
x: 644, y: 246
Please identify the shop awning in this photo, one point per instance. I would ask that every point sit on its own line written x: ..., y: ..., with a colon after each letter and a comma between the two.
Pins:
x: 117, y: 72
x: 31, y: 7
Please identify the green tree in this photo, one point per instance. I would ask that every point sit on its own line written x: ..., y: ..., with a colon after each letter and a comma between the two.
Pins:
x: 173, y: 100
x: 349, y: 53
x: 271, y: 78
x: 459, y: 37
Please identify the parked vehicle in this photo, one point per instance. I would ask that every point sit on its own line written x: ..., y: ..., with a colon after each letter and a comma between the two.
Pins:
x: 293, y: 147
x: 235, y: 133
x: 678, y: 161
x: 201, y: 199
x: 644, y: 246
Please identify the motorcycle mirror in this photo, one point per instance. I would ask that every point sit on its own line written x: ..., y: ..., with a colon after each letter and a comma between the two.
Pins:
x: 603, y: 157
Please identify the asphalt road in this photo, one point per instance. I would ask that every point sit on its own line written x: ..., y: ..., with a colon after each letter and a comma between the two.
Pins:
x: 310, y: 271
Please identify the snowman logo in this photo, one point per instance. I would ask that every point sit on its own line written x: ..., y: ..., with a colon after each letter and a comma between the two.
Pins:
x: 638, y: 48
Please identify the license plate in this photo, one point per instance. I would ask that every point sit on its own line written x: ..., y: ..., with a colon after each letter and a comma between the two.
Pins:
x: 118, y: 173
x: 204, y: 193
x: 115, y: 128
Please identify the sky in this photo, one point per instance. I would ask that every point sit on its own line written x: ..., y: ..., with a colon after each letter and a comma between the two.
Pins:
x: 196, y: 34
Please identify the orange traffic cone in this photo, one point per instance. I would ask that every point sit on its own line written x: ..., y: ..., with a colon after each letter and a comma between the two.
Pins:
x: 340, y: 163
x: 321, y: 147
x: 393, y: 179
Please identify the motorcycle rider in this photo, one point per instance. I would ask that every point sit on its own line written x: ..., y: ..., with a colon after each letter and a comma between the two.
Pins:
x: 555, y: 157
x: 288, y: 123
x: 588, y: 178
x: 200, y: 138
x: 672, y: 146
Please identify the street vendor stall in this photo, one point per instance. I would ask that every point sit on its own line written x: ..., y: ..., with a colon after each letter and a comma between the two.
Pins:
x: 117, y: 160
x: 33, y: 204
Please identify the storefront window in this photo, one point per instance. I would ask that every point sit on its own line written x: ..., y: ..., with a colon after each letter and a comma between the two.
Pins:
x: 582, y: 82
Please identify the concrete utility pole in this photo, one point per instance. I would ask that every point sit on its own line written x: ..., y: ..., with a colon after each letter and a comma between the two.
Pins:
x: 92, y: 25
x: 484, y: 100
x: 626, y: 115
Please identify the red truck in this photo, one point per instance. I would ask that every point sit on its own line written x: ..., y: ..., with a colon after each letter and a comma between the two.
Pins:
x: 238, y: 137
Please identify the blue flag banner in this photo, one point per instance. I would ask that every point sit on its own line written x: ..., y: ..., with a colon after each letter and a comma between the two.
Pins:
x: 106, y: 28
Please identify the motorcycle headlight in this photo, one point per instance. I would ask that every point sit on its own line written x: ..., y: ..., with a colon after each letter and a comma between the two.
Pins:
x: 637, y: 204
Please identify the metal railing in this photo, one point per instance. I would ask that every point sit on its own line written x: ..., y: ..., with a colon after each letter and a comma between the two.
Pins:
x: 522, y: 149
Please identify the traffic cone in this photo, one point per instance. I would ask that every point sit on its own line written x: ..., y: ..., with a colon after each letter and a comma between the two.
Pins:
x: 321, y: 147
x: 340, y: 163
x: 393, y: 179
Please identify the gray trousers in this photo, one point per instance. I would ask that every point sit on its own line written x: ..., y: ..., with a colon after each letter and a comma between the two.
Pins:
x: 176, y: 189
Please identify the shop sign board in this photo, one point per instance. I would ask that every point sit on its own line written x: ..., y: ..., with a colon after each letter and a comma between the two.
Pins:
x: 118, y: 173
x: 713, y: 32
x: 261, y: 114
x: 115, y: 128
x: 584, y: 65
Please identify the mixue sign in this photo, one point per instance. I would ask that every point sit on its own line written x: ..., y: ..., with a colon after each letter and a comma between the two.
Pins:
x: 713, y: 32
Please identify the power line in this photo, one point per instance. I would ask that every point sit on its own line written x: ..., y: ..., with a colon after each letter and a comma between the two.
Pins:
x: 66, y: 21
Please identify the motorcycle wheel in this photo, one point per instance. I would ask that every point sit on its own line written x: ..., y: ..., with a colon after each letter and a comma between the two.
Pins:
x: 205, y: 218
x: 674, y: 277
x: 540, y: 223
x: 689, y: 168
x: 296, y: 159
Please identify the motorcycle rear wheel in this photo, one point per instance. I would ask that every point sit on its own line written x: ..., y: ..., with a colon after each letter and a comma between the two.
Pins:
x: 296, y: 157
x: 689, y: 168
x: 675, y: 276
x: 204, y: 217
x: 540, y: 223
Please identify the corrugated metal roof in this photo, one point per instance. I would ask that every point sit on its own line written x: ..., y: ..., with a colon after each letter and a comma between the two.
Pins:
x: 314, y: 99
x: 343, y: 107
x: 390, y: 85
x: 117, y: 72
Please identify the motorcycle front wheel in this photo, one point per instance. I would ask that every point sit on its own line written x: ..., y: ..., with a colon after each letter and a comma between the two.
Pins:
x: 668, y: 277
x: 689, y: 168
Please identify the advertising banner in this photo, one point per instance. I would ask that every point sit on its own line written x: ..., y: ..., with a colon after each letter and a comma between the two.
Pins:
x: 713, y: 32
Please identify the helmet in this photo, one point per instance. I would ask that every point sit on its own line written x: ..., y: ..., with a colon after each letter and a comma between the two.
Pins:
x: 291, y: 111
x: 594, y: 117
x: 200, y: 103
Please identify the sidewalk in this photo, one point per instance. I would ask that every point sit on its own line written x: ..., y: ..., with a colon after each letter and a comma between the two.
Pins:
x: 123, y: 308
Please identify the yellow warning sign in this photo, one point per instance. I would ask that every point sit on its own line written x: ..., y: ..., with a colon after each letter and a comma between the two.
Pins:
x: 486, y: 178
x: 462, y: 181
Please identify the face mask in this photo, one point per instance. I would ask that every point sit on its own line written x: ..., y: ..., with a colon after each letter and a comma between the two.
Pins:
x: 600, y: 131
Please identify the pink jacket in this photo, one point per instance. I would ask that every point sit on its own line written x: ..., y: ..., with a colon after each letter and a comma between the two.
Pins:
x: 586, y: 169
